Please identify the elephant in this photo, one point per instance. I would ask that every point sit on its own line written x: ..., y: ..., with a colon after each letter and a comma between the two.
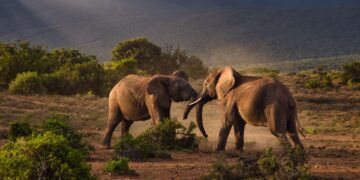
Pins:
x: 259, y: 101
x: 139, y: 98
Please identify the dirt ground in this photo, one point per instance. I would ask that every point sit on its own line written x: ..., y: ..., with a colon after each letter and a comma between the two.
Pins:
x: 331, y: 118
x: 331, y: 156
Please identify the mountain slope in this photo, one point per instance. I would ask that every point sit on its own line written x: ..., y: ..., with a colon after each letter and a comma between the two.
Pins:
x: 221, y: 32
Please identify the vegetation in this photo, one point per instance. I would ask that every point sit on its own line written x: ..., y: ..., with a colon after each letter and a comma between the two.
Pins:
x: 27, y: 69
x: 142, y: 50
x: 351, y: 72
x: 175, y: 58
x: 265, y: 166
x: 57, y: 125
x: 42, y: 156
x: 156, y: 141
x: 19, y: 129
x: 27, y: 83
x: 328, y: 63
x: 19, y: 57
x: 150, y: 58
x: 54, y: 151
x: 262, y: 71
x: 119, y: 166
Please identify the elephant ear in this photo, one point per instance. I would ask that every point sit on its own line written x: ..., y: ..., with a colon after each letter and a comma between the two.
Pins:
x: 181, y: 74
x: 157, y: 86
x: 225, y: 82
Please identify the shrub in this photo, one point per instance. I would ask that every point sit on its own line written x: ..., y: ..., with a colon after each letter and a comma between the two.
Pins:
x: 60, y: 57
x: 131, y: 147
x: 19, y: 129
x: 267, y: 162
x: 19, y: 57
x: 155, y: 141
x: 42, y: 156
x: 76, y: 78
x: 319, y: 80
x: 265, y: 166
x: 119, y: 166
x: 56, y: 124
x: 151, y: 59
x: 221, y: 170
x: 116, y: 70
x: 173, y: 59
x: 312, y: 84
x: 170, y: 135
x: 351, y: 72
x: 27, y: 83
x: 142, y: 50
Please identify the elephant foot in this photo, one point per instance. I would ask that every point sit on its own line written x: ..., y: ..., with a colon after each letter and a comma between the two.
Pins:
x: 105, y: 146
x: 239, y: 149
x: 219, y: 149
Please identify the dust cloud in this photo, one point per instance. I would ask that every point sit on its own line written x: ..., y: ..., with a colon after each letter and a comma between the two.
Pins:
x: 236, y: 56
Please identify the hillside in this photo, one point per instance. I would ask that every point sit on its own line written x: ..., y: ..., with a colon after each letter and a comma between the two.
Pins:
x: 227, y: 32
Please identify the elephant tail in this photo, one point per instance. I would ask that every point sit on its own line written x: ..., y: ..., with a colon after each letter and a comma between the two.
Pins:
x: 295, y: 118
x: 300, y: 129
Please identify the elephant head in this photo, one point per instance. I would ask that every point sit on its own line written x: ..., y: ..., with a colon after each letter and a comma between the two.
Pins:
x: 175, y: 87
x: 216, y: 86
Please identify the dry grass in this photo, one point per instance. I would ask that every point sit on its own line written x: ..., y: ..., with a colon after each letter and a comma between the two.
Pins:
x: 332, y: 116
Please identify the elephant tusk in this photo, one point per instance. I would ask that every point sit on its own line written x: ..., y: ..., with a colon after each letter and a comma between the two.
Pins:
x: 195, y: 102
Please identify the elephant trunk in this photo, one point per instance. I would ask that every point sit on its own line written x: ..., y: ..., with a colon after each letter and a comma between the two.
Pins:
x: 190, y: 105
x: 199, y: 118
x: 201, y: 101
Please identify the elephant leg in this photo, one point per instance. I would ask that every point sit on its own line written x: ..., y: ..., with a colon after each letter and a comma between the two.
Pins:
x: 114, y: 119
x: 277, y: 120
x: 239, y: 127
x: 225, y: 130
x: 125, y: 126
x: 158, y: 114
x: 284, y: 141
x: 292, y: 132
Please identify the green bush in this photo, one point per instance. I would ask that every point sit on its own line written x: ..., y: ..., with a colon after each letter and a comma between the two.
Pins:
x: 312, y: 84
x: 119, y: 166
x: 57, y: 125
x: 142, y: 50
x: 156, y: 141
x: 76, y: 78
x: 177, y: 59
x: 170, y: 135
x: 27, y: 83
x: 19, y: 129
x: 322, y: 81
x: 150, y: 58
x: 351, y: 72
x: 60, y: 57
x: 265, y: 166
x: 42, y: 156
x: 19, y: 57
x: 267, y: 162
x: 116, y: 70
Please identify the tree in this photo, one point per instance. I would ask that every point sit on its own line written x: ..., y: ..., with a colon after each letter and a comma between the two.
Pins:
x: 116, y: 70
x: 178, y: 59
x: 19, y: 57
x: 351, y: 72
x: 142, y: 50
